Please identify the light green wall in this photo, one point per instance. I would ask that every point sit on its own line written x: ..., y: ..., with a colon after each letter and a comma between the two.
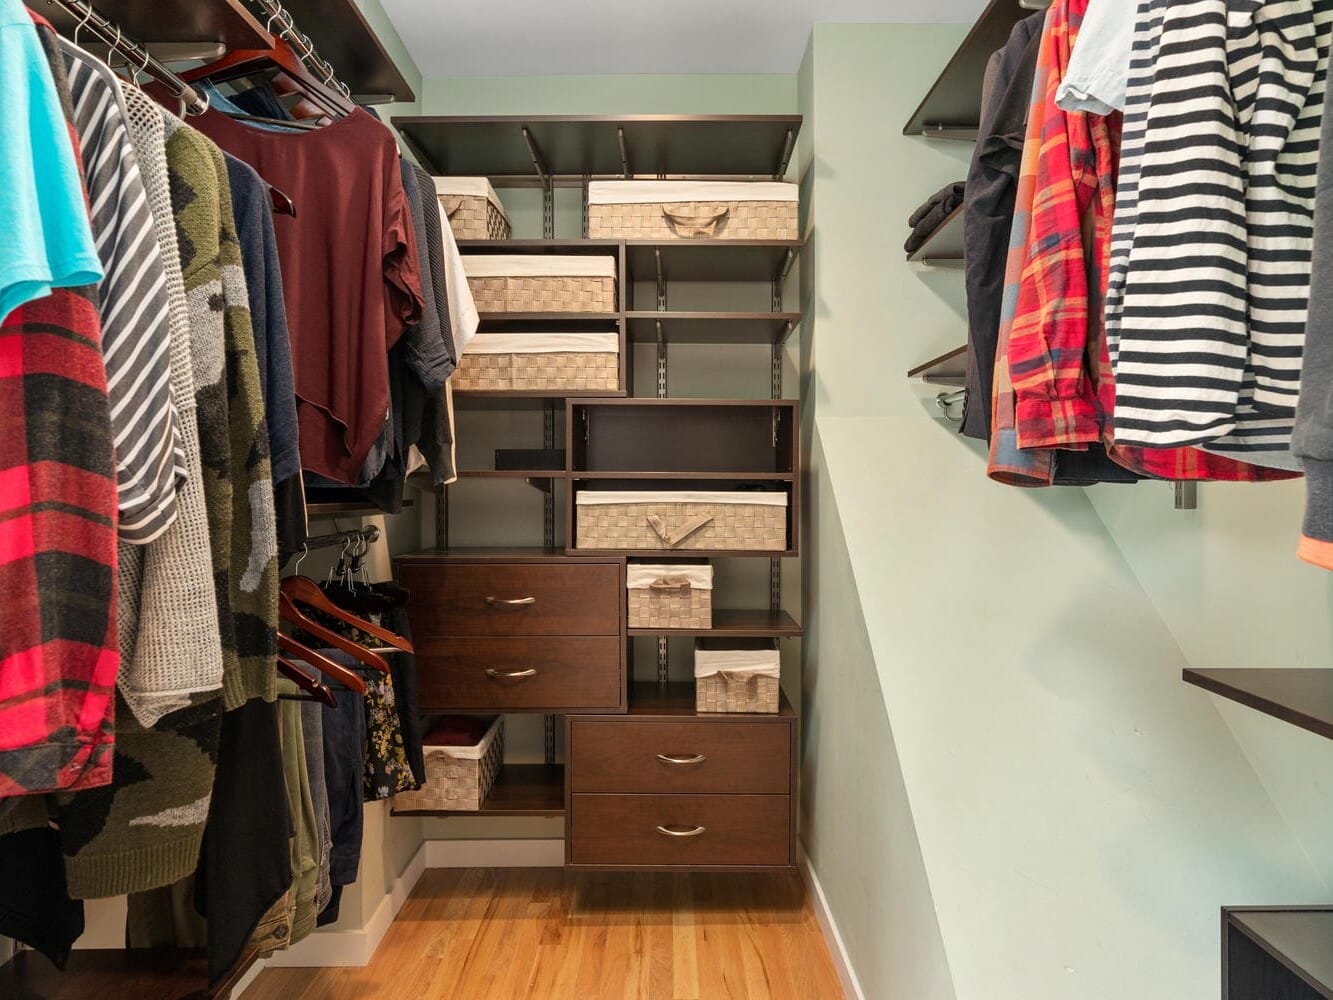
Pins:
x: 379, y: 21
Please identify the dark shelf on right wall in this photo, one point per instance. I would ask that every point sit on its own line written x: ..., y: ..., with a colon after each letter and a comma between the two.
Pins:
x: 1277, y: 953
x: 1302, y: 698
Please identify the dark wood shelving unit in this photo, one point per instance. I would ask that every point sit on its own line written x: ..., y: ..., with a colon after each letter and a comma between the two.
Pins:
x: 952, y: 107
x: 519, y: 790
x: 948, y: 369
x: 570, y: 148
x: 351, y: 508
x: 1302, y: 698
x: 228, y: 22
x: 344, y: 37
x: 711, y: 260
x: 944, y: 247
x: 1280, y: 953
x: 744, y: 624
x: 711, y: 327
x: 512, y: 474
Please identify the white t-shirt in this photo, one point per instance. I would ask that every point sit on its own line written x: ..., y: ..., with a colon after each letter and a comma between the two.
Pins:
x: 1099, y: 68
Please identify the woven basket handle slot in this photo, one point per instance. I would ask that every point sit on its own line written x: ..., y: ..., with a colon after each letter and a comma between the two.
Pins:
x: 452, y: 203
x: 673, y: 538
x: 732, y: 678
x: 695, y: 221
x: 670, y: 583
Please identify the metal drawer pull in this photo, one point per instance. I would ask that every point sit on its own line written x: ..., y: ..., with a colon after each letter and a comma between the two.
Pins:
x: 681, y: 759
x: 667, y: 831
x: 518, y: 602
x: 510, y: 675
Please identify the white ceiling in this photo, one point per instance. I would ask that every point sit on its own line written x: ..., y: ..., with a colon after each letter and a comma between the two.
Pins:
x: 461, y: 38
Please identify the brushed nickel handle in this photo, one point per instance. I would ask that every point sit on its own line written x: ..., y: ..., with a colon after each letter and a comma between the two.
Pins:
x: 510, y: 675
x: 667, y: 831
x: 517, y: 602
x: 681, y: 759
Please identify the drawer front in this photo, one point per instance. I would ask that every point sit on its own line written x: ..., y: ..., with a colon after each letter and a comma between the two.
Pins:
x: 458, y: 599
x: 680, y: 830
x: 507, y: 674
x: 680, y: 757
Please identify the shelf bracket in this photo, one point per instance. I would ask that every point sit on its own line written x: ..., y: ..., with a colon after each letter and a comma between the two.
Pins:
x: 548, y: 187
x: 1187, y: 496
x: 775, y: 584
x: 661, y: 362
x: 624, y: 152
x: 661, y: 280
x: 550, y: 739
x: 587, y: 180
x: 663, y: 661
x: 442, y: 517
x: 548, y: 498
x: 788, y: 147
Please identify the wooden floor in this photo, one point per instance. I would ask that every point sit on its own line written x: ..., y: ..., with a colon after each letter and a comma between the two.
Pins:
x: 541, y: 933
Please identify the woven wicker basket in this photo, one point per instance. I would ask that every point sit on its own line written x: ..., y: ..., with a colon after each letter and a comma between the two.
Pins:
x: 458, y: 779
x: 681, y: 522
x: 531, y: 284
x: 473, y: 208
x: 737, y: 676
x: 685, y: 210
x: 670, y: 596
x: 532, y: 362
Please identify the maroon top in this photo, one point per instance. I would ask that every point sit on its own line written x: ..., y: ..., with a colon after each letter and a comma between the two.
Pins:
x: 349, y: 274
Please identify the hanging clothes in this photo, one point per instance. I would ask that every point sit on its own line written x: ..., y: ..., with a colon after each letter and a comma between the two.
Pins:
x: 348, y: 300
x: 1098, y: 71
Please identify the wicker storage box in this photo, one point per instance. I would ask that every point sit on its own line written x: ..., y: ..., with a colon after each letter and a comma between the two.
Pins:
x: 741, y: 522
x: 530, y: 362
x: 458, y: 778
x: 529, y: 283
x: 473, y: 208
x: 737, y: 675
x: 679, y: 596
x: 693, y: 210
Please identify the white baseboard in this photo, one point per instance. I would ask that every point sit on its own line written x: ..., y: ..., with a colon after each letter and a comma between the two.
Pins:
x: 824, y: 916
x: 548, y: 853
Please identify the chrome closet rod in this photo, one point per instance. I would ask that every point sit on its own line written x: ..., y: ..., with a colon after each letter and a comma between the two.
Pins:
x: 136, y: 56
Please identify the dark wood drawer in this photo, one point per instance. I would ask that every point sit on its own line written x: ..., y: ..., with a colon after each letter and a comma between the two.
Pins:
x: 682, y: 757
x: 458, y: 599
x: 545, y: 674
x: 735, y: 831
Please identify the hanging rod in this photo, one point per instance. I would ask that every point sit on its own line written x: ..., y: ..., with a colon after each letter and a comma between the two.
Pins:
x: 302, y: 45
x: 337, y: 538
x: 135, y: 55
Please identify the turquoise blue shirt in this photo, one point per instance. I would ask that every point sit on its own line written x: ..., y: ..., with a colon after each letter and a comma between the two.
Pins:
x: 46, y: 240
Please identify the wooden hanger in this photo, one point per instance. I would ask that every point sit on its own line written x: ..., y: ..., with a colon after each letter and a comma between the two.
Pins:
x: 291, y: 613
x: 306, y: 682
x: 303, y: 590
x: 281, y: 56
x: 347, y: 678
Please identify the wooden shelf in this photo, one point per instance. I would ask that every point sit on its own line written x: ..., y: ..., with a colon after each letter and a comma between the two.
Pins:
x: 952, y: 107
x: 512, y: 474
x: 943, y: 247
x: 712, y: 327
x: 678, y: 700
x: 677, y: 553
x: 540, y: 247
x: 549, y: 317
x: 343, y: 36
x: 354, y: 507
x: 229, y: 22
x: 1302, y: 698
x: 1300, y: 938
x: 948, y: 369
x: 735, y: 625
x: 466, y: 395
x: 519, y: 790
x: 572, y: 147
x: 667, y: 477
x: 711, y: 260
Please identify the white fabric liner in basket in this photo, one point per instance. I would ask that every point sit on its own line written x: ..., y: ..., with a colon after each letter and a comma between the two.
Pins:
x: 588, y: 498
x: 469, y: 187
x: 678, y: 192
x: 739, y: 663
x: 641, y: 576
x: 483, y: 265
x: 544, y: 343
x: 475, y: 752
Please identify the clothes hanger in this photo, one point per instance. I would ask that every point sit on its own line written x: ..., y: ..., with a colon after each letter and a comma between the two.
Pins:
x: 347, y: 678
x: 281, y: 55
x: 303, y: 590
x: 317, y: 691
x: 289, y: 612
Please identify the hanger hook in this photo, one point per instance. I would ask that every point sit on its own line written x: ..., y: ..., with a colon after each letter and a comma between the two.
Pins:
x: 87, y: 16
x: 305, y: 551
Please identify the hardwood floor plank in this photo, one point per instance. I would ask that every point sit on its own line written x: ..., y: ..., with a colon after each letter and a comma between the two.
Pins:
x: 545, y: 934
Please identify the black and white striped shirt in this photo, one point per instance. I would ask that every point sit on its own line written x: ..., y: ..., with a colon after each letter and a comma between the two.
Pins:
x: 1210, y: 256
x: 136, y: 343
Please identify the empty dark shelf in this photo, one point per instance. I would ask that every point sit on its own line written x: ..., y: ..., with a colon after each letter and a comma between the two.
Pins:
x: 943, y: 247
x: 225, y: 21
x: 711, y: 260
x: 1300, y: 938
x: 519, y: 790
x: 578, y: 146
x: 712, y: 327
x: 511, y: 474
x: 948, y: 369
x: 736, y: 625
x: 952, y: 107
x: 349, y: 508
x: 343, y: 36
x: 1301, y: 697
